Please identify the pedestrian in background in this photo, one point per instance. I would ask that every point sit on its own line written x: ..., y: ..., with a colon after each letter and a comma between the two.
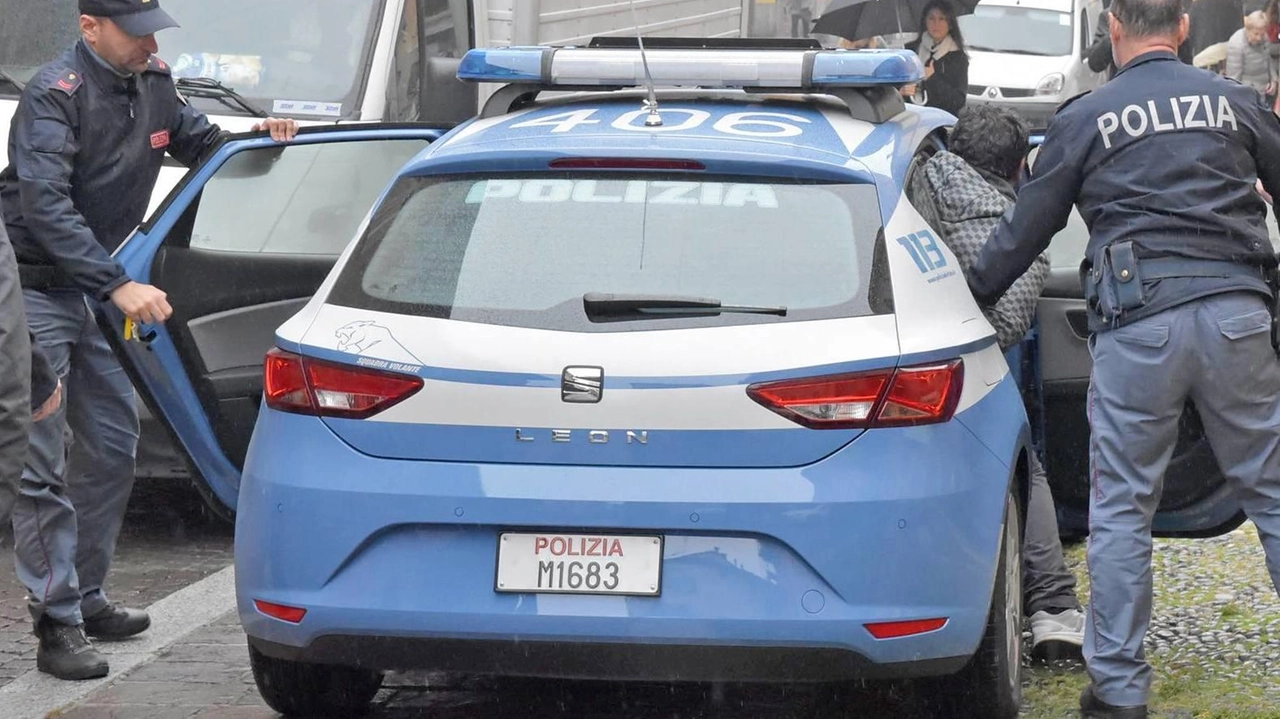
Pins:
x: 1178, y: 280
x: 86, y: 144
x: 1249, y: 58
x: 940, y: 47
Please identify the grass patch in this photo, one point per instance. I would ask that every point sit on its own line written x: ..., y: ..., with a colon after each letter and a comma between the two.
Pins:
x: 1215, y: 667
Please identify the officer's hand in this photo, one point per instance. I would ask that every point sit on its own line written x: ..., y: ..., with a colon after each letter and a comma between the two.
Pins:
x: 282, y: 130
x: 142, y: 303
x: 50, y: 405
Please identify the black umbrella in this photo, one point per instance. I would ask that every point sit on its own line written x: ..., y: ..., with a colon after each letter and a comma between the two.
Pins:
x: 862, y: 19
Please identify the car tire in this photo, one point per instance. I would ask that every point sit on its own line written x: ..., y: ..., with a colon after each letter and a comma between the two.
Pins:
x: 313, y: 690
x: 990, y: 685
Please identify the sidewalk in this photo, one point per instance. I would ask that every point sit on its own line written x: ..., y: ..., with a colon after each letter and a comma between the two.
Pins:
x: 183, y: 623
x: 204, y: 676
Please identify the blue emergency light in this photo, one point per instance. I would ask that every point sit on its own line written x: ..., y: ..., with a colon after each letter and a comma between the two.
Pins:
x: 775, y: 69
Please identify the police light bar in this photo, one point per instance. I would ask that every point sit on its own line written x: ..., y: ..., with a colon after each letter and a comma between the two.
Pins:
x: 705, y: 68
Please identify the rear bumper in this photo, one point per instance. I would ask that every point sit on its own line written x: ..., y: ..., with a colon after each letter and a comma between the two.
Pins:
x: 766, y: 573
x: 604, y: 661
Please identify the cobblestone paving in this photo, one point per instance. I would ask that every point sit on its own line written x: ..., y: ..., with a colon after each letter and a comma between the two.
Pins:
x: 165, y: 545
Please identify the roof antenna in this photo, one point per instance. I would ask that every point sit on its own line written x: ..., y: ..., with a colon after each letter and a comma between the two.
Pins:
x: 650, y: 104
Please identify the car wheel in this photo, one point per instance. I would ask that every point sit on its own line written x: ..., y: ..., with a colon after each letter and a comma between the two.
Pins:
x: 307, y: 690
x: 990, y: 685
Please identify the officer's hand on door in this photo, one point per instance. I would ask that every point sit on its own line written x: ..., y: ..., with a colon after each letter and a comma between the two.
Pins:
x: 282, y: 130
x: 142, y: 303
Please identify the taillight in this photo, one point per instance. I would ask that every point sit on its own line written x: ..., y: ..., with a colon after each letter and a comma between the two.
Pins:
x: 303, y: 385
x: 895, y: 630
x: 285, y: 613
x: 879, y: 398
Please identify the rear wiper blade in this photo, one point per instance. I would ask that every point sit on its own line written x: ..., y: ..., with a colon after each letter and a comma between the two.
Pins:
x: 12, y: 80
x: 600, y: 305
x: 207, y: 87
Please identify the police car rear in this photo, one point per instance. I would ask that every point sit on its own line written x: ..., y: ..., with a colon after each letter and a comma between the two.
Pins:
x: 598, y: 394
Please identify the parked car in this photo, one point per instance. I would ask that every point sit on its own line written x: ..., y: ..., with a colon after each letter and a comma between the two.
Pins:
x: 1029, y: 55
x: 581, y: 400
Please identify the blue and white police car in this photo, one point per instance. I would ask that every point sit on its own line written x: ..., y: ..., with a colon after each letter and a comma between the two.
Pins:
x: 613, y: 382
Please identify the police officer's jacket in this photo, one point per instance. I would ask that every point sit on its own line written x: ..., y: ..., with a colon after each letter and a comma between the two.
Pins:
x: 1165, y: 156
x: 85, y: 149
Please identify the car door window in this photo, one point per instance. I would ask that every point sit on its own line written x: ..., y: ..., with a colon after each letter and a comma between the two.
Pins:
x: 296, y: 199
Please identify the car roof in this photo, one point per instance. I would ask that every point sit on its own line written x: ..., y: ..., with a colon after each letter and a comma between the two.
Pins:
x: 826, y: 141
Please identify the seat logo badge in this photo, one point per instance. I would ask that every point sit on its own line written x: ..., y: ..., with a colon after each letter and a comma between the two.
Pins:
x: 582, y: 385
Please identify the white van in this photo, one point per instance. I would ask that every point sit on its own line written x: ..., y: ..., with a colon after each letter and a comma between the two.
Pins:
x: 324, y: 61
x: 1029, y: 55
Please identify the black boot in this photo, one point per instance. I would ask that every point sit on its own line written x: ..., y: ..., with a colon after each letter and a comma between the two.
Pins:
x: 65, y: 652
x: 1091, y: 707
x: 116, y: 623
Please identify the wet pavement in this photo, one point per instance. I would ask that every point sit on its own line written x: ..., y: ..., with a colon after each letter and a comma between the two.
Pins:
x: 206, y: 676
x: 194, y: 661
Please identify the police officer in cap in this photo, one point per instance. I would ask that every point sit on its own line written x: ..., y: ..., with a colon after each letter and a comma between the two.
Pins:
x: 1161, y: 163
x: 86, y: 145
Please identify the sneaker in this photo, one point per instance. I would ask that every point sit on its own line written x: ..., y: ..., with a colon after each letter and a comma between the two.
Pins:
x: 115, y: 622
x: 1057, y: 636
x: 65, y: 652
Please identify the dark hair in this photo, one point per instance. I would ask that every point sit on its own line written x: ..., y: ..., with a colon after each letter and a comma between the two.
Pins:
x: 990, y: 138
x: 1149, y: 18
x: 953, y: 27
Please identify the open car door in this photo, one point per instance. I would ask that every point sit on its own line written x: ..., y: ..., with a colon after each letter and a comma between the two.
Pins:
x: 1196, y: 501
x: 240, y: 245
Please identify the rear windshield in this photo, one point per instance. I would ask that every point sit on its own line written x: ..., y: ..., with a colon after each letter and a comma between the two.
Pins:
x: 524, y: 250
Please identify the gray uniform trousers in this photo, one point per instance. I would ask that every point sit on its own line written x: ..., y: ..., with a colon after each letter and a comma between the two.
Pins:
x: 76, y: 484
x: 1217, y: 351
x: 15, y: 380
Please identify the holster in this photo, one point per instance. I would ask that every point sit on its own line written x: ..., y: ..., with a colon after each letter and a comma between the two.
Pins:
x: 1113, y: 281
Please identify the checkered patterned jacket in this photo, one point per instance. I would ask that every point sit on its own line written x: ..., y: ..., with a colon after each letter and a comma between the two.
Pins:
x: 964, y: 206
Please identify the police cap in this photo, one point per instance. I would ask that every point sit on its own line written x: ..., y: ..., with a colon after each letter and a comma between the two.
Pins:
x: 136, y: 17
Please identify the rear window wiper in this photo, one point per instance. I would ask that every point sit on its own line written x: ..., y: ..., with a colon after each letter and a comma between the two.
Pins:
x: 603, y: 306
x: 208, y: 88
x: 20, y: 85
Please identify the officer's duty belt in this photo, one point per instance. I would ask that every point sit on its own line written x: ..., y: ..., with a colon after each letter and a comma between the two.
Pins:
x: 1159, y: 268
x: 42, y: 277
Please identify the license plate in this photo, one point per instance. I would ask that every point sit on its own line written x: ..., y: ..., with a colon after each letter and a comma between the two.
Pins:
x: 579, y: 564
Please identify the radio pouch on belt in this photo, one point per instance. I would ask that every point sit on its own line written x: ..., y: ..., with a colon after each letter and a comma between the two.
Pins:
x: 1126, y: 276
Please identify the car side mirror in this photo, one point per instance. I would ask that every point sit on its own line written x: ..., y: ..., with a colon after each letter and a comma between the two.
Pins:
x: 443, y: 98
